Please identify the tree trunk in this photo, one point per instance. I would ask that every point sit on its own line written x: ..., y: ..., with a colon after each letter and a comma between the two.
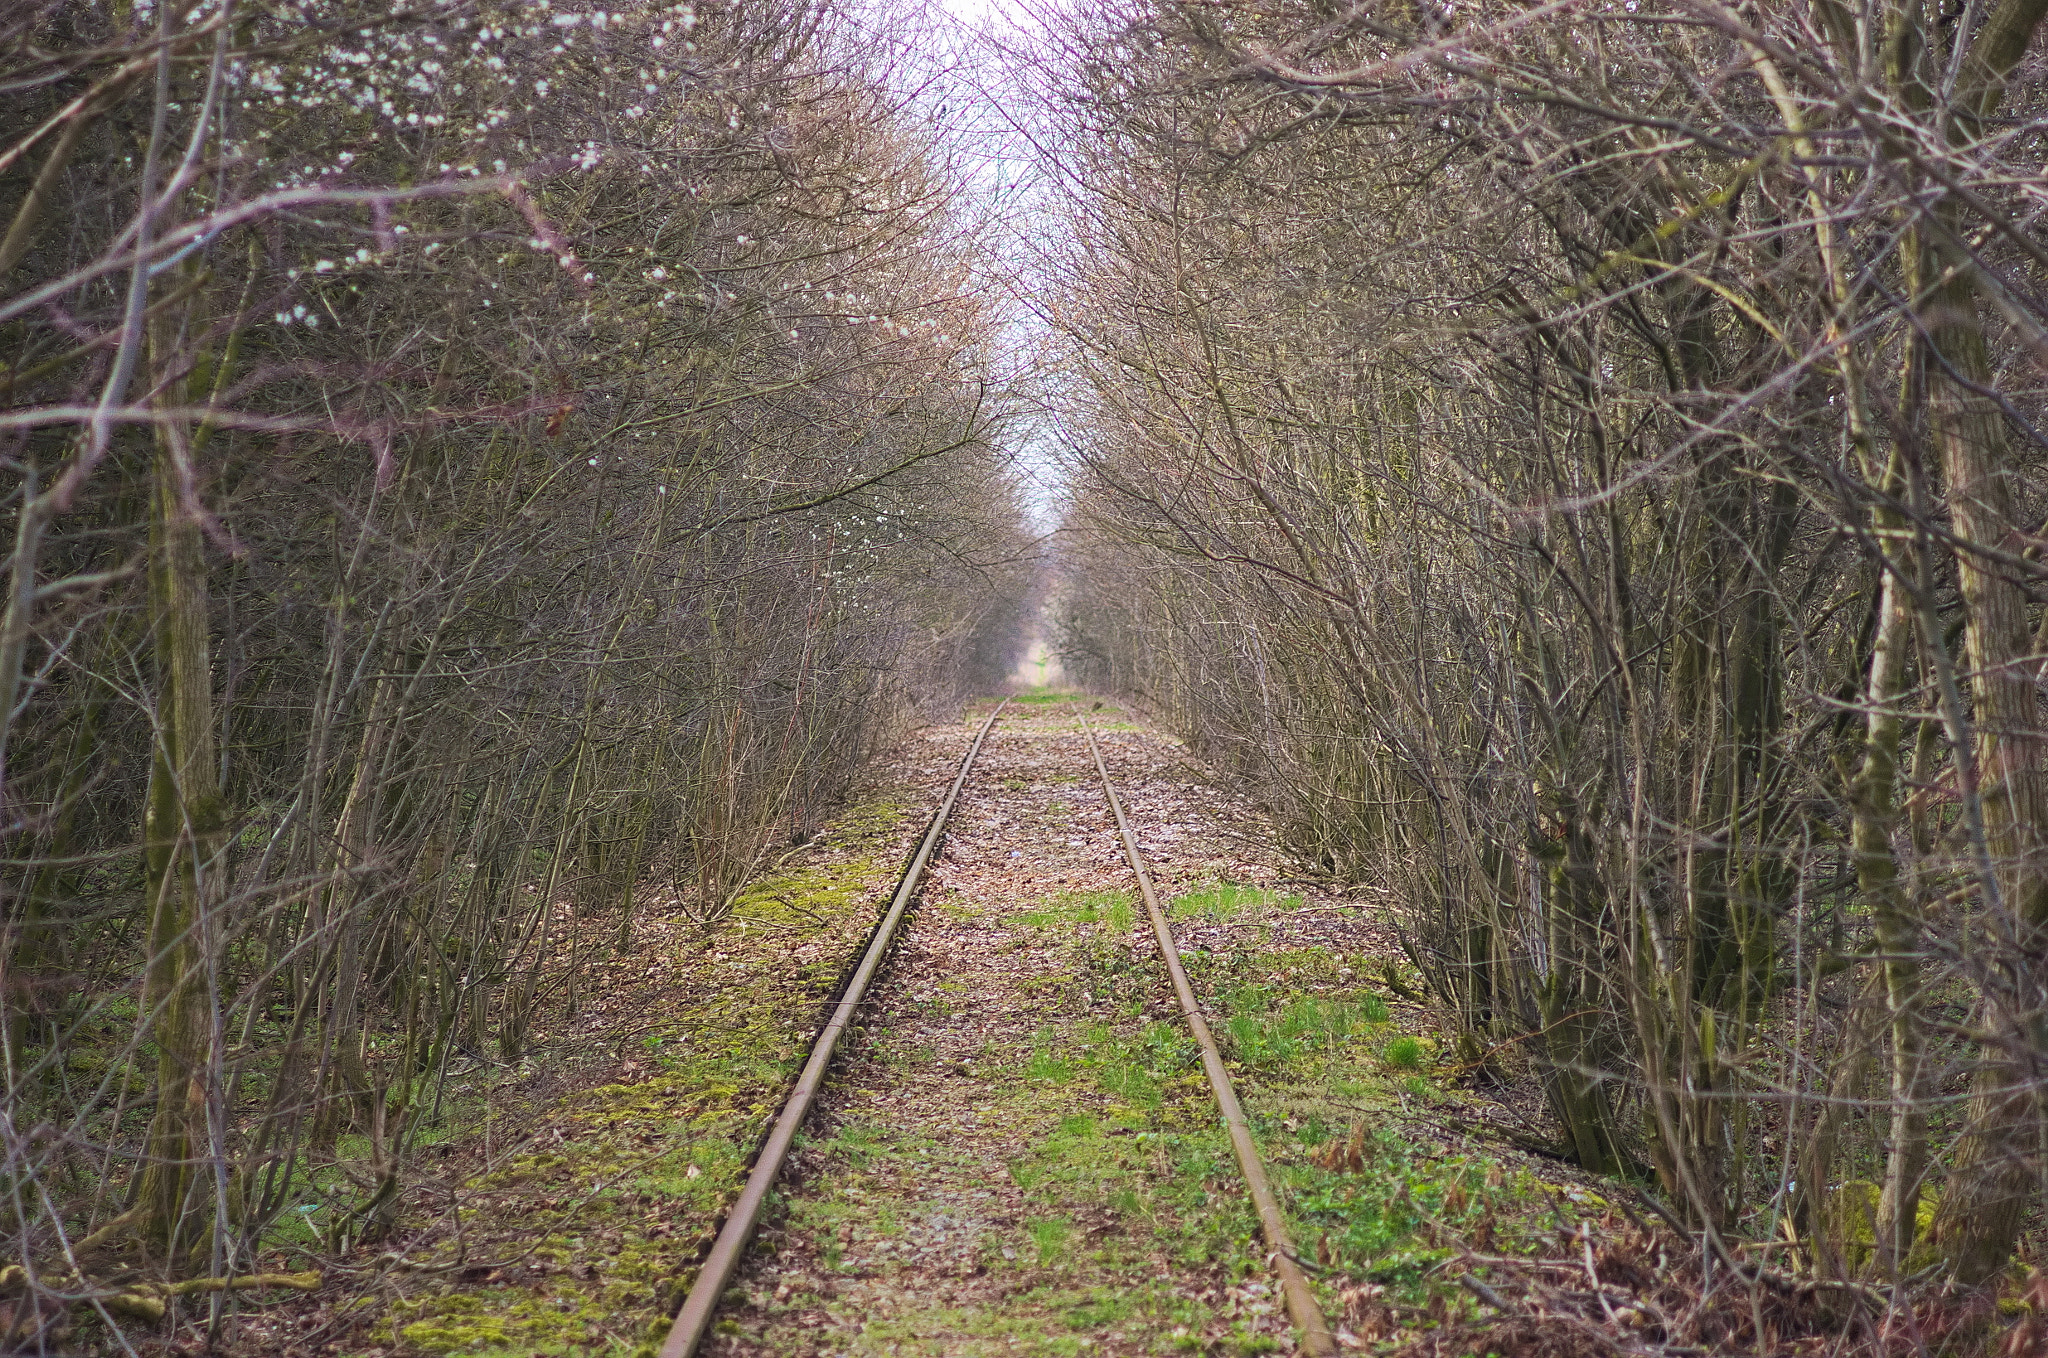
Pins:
x: 183, y: 830
x: 1992, y: 1183
x: 1898, y: 926
x: 1992, y: 1179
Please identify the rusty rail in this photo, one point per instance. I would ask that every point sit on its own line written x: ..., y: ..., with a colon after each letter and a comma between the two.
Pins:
x: 1316, y: 1338
x: 738, y: 1230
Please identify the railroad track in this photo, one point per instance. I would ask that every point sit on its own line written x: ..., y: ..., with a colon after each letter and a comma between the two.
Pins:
x: 720, y: 1265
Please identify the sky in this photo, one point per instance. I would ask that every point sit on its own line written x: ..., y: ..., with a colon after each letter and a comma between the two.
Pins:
x: 1006, y: 167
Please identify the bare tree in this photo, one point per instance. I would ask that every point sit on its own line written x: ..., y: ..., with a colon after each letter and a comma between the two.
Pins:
x: 1558, y: 456
x: 468, y: 462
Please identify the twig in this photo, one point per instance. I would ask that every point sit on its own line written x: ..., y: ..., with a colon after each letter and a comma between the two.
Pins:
x: 149, y: 1301
x: 1484, y: 1293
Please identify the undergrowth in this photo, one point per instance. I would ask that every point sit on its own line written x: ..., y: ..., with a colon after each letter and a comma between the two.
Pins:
x: 572, y: 1229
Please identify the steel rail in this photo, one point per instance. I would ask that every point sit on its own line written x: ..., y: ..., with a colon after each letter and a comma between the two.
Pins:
x: 738, y: 1230
x: 1316, y: 1338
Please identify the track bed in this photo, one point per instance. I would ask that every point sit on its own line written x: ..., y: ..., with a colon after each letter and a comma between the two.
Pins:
x: 995, y: 1173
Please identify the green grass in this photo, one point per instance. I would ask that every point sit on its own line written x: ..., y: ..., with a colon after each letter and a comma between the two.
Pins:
x: 1226, y: 900
x: 1314, y: 1061
x: 1403, y: 1053
x: 1049, y: 1238
x: 1265, y: 1027
x: 1044, y: 1064
x: 857, y: 1144
x: 1367, y: 1220
x: 1081, y: 909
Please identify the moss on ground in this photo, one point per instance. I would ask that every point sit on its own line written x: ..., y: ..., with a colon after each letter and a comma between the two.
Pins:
x: 581, y: 1239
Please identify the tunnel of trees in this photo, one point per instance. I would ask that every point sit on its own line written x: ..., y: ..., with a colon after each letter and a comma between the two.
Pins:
x: 1578, y: 466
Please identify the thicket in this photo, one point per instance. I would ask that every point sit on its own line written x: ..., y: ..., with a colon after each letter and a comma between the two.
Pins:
x: 1582, y: 466
x: 464, y: 461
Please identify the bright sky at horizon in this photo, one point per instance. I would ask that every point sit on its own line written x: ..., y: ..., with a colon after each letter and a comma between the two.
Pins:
x: 1005, y: 182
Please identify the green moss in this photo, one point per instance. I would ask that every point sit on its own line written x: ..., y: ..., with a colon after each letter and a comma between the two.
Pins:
x: 617, y: 1195
x: 811, y: 895
x: 446, y: 1335
x: 1853, y: 1205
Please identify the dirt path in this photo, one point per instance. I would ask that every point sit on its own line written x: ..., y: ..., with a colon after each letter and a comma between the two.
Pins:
x: 970, y: 1190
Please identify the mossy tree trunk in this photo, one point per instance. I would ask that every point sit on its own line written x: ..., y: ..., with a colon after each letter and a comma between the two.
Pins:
x: 1994, y: 1179
x: 184, y: 831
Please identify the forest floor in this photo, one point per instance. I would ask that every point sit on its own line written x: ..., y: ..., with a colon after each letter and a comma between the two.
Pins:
x: 1019, y: 1153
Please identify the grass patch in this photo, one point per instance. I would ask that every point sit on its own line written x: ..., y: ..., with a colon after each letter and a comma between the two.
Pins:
x: 1264, y: 1027
x: 1045, y: 1065
x: 1049, y: 1239
x: 1226, y: 900
x: 1074, y: 910
x: 1403, y: 1053
x: 1362, y: 1197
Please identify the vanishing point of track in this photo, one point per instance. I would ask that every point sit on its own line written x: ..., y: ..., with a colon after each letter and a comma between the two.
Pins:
x: 727, y: 1250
